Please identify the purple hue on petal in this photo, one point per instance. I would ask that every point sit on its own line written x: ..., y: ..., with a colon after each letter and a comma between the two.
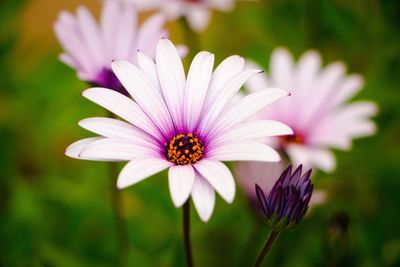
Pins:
x: 288, y: 199
x: 107, y: 79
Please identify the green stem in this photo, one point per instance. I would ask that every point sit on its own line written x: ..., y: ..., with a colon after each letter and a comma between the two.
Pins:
x: 186, y: 233
x: 120, y: 227
x: 118, y: 211
x: 273, y: 236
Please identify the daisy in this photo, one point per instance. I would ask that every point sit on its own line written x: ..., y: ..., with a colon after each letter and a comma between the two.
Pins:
x: 188, y: 125
x: 90, y: 46
x: 318, y: 110
x: 196, y: 11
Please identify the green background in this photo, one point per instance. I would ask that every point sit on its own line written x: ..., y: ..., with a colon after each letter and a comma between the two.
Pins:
x: 56, y: 211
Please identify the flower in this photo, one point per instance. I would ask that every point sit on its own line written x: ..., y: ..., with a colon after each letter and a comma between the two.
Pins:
x: 288, y: 200
x: 90, y: 47
x: 317, y: 111
x: 265, y: 174
x: 187, y: 125
x: 196, y: 11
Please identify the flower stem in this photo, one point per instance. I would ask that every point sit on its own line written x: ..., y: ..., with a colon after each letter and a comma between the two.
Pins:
x: 273, y: 236
x: 118, y: 210
x: 186, y: 234
x: 120, y: 227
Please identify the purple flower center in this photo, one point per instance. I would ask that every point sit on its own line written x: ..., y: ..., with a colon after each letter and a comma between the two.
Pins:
x: 107, y: 79
x: 194, y: 1
x: 184, y: 149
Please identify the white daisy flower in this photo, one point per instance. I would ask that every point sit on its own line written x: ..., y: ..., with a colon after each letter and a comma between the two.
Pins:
x: 189, y: 125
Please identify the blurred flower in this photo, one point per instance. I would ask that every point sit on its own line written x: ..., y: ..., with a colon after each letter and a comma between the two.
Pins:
x: 317, y: 110
x: 197, y: 11
x: 90, y: 47
x: 185, y: 125
x: 288, y: 201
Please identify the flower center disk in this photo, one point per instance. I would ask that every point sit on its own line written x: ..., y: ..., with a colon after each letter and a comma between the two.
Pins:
x: 184, y: 149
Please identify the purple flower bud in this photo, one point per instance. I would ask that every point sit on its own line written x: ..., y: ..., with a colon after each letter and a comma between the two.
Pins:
x: 288, y: 200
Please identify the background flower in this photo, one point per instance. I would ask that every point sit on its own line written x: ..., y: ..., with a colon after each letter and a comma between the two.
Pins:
x: 90, y: 46
x: 198, y: 12
x: 187, y: 125
x: 317, y: 111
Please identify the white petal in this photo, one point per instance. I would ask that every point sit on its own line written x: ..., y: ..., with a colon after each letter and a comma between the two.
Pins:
x: 148, y: 67
x: 139, y: 169
x: 196, y: 87
x: 203, y: 196
x: 145, y: 94
x: 172, y: 79
x: 76, y: 148
x: 312, y: 157
x: 118, y: 129
x: 254, y: 130
x: 181, y: 179
x: 222, y: 75
x: 258, y: 81
x: 224, y: 97
x: 219, y: 176
x: 123, y: 107
x: 114, y: 149
x: 244, y: 151
x: 248, y: 106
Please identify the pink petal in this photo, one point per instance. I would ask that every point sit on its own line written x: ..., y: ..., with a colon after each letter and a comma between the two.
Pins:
x: 312, y: 157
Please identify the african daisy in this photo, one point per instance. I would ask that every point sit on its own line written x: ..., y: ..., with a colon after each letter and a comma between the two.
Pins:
x: 317, y: 111
x: 90, y: 46
x: 188, y: 125
x: 196, y: 11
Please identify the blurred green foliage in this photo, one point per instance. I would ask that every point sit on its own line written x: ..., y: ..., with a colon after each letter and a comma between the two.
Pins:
x: 56, y: 211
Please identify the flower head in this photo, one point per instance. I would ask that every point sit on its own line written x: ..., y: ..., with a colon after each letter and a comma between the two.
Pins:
x: 196, y: 11
x: 185, y: 124
x: 288, y: 200
x: 90, y: 46
x: 317, y: 111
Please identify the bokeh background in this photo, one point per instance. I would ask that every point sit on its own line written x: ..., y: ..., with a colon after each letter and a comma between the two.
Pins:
x: 56, y: 211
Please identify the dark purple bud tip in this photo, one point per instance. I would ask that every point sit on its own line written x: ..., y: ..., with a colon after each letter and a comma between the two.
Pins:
x: 288, y: 200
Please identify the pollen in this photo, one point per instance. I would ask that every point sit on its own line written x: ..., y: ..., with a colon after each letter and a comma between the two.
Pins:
x: 184, y: 149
